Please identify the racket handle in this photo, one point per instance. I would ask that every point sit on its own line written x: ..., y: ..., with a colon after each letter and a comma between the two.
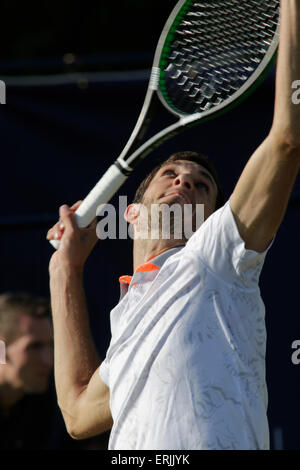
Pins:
x: 104, y: 190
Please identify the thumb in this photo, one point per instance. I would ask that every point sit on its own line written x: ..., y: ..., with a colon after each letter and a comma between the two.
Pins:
x: 76, y: 205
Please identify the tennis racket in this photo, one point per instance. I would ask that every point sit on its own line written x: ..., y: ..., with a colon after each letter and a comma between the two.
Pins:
x: 211, y: 54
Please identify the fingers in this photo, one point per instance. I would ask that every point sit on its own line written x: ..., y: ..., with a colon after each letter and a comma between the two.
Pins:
x: 57, y: 230
x: 67, y: 216
x: 55, y: 233
x: 76, y: 205
x: 67, y: 222
x: 73, y: 208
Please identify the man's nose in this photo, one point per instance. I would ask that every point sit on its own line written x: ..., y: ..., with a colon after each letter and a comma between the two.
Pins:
x: 184, y: 181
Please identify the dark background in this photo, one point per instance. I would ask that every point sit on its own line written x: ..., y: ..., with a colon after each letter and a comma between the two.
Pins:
x: 76, y: 74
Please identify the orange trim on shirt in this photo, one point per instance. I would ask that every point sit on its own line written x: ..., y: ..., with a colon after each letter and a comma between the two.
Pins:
x: 146, y: 268
x: 125, y: 279
x: 142, y: 269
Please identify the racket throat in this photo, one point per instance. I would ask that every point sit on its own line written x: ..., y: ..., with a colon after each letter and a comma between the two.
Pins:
x: 138, y: 135
x: 122, y: 166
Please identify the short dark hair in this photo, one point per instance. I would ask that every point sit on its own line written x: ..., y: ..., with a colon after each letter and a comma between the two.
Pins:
x: 14, y: 304
x: 190, y: 156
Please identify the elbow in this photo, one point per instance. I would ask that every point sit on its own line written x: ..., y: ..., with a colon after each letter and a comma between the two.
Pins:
x: 73, y: 430
x: 79, y: 429
x: 73, y: 433
x: 79, y: 434
x: 70, y: 423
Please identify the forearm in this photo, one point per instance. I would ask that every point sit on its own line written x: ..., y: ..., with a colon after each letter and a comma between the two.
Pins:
x: 286, y: 122
x: 75, y: 355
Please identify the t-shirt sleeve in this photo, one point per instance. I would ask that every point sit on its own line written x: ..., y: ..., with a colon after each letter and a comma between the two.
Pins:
x: 104, y: 372
x: 218, y: 244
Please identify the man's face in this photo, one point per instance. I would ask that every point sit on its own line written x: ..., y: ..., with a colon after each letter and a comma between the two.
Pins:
x: 29, y: 358
x: 183, y: 182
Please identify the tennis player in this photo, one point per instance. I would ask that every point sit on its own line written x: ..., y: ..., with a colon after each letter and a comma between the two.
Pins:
x: 185, y: 368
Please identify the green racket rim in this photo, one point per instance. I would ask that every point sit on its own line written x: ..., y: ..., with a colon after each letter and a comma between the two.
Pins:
x: 165, y: 53
x: 166, y: 49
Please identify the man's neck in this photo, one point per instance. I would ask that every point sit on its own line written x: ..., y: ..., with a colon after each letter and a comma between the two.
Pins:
x: 145, y: 250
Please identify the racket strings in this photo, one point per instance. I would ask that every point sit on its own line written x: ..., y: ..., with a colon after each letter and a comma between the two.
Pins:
x: 214, y: 49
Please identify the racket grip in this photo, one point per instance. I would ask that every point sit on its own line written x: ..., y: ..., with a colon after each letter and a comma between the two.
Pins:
x: 104, y: 190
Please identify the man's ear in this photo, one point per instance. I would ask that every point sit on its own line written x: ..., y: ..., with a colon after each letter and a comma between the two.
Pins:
x: 132, y: 213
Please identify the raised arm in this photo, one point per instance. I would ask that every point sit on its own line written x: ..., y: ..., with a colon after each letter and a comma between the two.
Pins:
x: 82, y: 396
x: 260, y: 198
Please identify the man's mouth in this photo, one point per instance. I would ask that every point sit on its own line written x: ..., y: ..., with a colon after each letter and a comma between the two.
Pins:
x: 182, y: 195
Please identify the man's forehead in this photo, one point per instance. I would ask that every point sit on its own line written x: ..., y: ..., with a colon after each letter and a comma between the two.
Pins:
x: 190, y: 165
x: 187, y: 164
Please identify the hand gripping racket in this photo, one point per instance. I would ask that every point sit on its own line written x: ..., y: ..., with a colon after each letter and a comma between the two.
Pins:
x: 210, y: 55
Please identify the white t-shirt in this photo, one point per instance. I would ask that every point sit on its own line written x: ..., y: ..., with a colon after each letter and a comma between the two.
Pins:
x: 186, y: 362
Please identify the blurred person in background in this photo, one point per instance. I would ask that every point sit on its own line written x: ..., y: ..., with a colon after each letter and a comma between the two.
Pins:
x: 29, y: 415
x: 26, y: 330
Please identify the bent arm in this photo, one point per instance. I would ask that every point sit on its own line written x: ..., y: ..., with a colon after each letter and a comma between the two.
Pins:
x: 91, y: 412
x: 82, y: 396
x: 260, y: 198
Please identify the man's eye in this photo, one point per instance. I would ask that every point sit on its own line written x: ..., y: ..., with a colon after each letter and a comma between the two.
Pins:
x: 203, y: 186
x: 169, y: 172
